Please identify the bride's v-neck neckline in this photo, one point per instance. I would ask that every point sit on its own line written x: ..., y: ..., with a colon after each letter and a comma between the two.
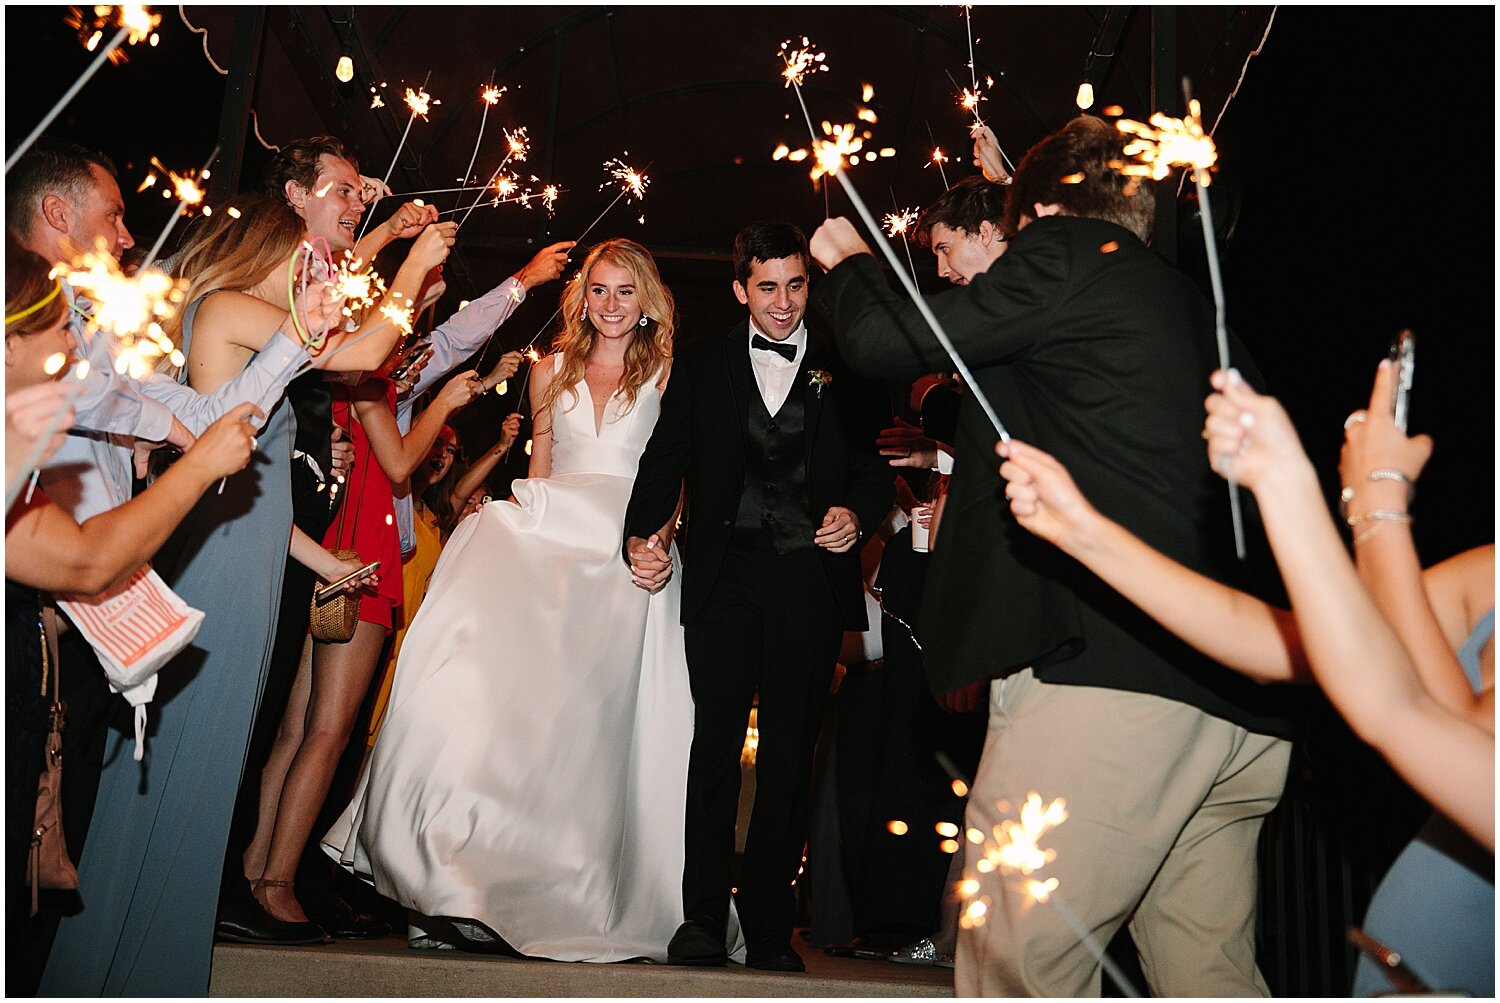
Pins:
x: 597, y: 414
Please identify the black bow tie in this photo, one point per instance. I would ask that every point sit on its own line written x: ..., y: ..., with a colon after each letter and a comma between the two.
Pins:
x: 787, y: 352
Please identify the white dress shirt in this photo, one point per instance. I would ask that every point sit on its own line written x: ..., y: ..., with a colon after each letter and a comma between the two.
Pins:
x: 775, y: 375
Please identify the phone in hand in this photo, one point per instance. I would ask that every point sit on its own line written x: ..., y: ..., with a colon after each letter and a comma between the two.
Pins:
x: 1404, y: 355
x: 323, y: 592
x: 419, y: 353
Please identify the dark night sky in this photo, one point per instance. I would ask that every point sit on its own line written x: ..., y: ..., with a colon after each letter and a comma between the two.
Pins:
x: 1357, y: 169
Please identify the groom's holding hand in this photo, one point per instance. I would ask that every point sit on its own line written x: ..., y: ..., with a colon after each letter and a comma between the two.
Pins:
x: 776, y: 446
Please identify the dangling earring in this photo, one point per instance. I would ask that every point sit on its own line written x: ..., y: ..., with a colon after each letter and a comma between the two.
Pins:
x: 584, y: 315
x: 644, y: 320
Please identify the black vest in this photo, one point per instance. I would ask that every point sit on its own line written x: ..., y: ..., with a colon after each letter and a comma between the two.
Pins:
x: 773, y: 513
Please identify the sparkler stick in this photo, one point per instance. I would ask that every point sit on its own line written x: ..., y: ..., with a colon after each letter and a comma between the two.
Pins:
x: 911, y: 290
x: 632, y: 183
x: 938, y: 157
x: 897, y: 224
x: 136, y: 23
x: 419, y: 101
x: 547, y: 197
x: 491, y: 96
x: 515, y: 148
x: 1172, y: 142
x: 1046, y: 891
x: 188, y: 193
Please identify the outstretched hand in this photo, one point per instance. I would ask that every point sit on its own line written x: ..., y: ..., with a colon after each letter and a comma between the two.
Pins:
x: 1250, y: 437
x: 1043, y: 497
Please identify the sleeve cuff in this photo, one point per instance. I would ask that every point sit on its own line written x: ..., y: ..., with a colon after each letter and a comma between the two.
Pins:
x: 155, y: 422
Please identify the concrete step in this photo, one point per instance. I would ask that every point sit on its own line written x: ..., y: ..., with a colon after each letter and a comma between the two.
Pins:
x: 387, y: 967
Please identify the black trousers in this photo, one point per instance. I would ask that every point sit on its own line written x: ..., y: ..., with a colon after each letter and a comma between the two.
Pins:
x: 770, y: 626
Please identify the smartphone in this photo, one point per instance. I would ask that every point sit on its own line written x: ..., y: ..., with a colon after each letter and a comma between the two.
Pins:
x: 1404, y: 355
x: 418, y: 354
x: 325, y: 591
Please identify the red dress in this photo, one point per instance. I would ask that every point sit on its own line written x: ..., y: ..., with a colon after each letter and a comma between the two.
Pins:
x: 367, y: 519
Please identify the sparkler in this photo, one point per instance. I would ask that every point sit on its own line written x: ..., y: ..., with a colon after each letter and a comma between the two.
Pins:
x: 517, y: 145
x: 1016, y: 849
x: 188, y: 192
x: 897, y: 224
x: 128, y: 313
x: 490, y: 95
x: 831, y: 154
x: 1181, y: 142
x: 940, y: 158
x: 136, y: 23
x: 632, y: 184
x: 420, y: 103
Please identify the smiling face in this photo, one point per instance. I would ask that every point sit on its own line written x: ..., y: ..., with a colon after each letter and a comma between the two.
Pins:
x: 962, y: 255
x: 611, y: 301
x: 332, y: 209
x: 440, y: 457
x: 776, y: 293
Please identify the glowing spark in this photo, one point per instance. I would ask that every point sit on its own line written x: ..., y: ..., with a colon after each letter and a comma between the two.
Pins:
x: 549, y: 197
x: 533, y: 355
x: 780, y: 152
x: 528, y: 447
x: 1112, y: 111
x: 398, y: 315
x: 1167, y: 143
x: 969, y: 100
x: 150, y: 180
x: 1073, y: 179
x: 897, y: 225
x: 1041, y: 890
x: 517, y: 144
x: 831, y: 152
x: 185, y: 187
x: 359, y: 287
x: 866, y: 115
x: 505, y: 186
x: 946, y: 829
x: 137, y: 20
x: 55, y: 363
x: 1018, y: 849
x: 896, y: 827
x: 949, y: 846
x: 968, y: 888
x: 491, y: 94
x: 938, y: 156
x: 887, y: 151
x: 961, y: 790
x: 377, y: 102
x: 975, y: 836
x: 867, y: 92
x: 800, y: 62
x: 632, y: 182
x: 797, y: 156
x: 420, y: 102
x: 126, y: 306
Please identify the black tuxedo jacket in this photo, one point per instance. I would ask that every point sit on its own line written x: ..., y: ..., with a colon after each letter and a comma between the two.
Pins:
x: 1094, y: 349
x: 700, y: 438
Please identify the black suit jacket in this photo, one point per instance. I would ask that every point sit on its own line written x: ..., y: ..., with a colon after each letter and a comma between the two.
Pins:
x: 700, y: 440
x: 1094, y: 349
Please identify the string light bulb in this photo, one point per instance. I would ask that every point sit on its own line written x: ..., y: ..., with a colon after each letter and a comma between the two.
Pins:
x: 1085, y: 97
x: 345, y: 69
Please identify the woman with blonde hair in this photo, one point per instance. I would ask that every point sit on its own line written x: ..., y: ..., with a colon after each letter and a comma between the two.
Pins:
x: 527, y: 788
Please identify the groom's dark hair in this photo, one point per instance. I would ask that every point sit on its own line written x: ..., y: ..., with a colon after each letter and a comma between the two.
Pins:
x: 767, y: 242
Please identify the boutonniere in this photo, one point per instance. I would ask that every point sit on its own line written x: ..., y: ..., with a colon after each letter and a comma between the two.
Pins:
x: 818, y: 379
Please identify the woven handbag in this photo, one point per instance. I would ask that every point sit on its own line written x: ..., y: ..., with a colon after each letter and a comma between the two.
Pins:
x: 334, y: 618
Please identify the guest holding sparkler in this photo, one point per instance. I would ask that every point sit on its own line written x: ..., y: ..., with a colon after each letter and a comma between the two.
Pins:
x: 47, y: 549
x: 1096, y: 349
x: 1433, y: 613
x: 150, y: 892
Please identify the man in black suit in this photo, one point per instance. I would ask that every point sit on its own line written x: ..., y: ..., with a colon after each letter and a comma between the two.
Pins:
x: 1097, y: 351
x: 775, y: 446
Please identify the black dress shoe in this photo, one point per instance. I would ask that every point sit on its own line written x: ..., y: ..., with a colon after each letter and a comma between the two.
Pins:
x: 696, y: 943
x: 777, y: 958
x: 342, y: 922
x: 251, y: 924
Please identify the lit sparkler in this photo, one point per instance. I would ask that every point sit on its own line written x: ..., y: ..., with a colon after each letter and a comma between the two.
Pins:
x: 632, y: 184
x: 940, y: 158
x: 136, y: 23
x: 135, y: 19
x: 490, y: 95
x: 831, y: 154
x: 517, y: 145
x: 420, y: 103
x: 1181, y: 142
x: 188, y: 192
x: 801, y: 61
x: 899, y: 224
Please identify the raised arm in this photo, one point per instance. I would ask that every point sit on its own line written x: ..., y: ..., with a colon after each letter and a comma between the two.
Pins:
x: 397, y: 454
x: 1229, y: 626
x: 46, y: 549
x: 480, y: 469
x: 1355, y: 655
x: 1379, y: 467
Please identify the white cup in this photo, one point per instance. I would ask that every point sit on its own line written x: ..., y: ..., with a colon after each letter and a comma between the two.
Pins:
x: 921, y: 519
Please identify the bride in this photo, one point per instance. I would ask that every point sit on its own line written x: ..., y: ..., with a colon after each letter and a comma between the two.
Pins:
x: 528, y: 785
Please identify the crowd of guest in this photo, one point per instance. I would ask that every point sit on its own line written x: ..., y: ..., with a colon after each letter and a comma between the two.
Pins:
x: 294, y: 476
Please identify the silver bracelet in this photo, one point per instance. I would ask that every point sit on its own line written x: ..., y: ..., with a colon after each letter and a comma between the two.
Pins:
x: 1379, y: 515
x: 1389, y: 474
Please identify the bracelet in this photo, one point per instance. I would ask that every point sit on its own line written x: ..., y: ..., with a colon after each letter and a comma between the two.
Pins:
x: 1381, y: 474
x: 1379, y: 515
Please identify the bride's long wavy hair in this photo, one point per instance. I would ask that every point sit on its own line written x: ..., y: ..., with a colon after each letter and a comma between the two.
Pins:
x: 649, y: 348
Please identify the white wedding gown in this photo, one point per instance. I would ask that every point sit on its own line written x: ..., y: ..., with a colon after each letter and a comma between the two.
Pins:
x: 532, y: 768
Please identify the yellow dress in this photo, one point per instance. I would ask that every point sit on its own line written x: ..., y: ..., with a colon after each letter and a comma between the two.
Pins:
x: 415, y: 574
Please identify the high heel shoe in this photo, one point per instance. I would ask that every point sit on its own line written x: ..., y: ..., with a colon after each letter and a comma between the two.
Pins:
x: 250, y: 923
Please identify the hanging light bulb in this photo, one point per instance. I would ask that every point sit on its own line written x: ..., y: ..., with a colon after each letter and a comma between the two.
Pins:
x: 345, y: 69
x: 1085, y: 96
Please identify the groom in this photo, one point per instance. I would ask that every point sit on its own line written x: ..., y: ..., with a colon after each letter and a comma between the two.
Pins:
x: 783, y: 485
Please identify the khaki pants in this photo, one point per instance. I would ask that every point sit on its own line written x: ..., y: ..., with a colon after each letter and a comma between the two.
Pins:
x: 1165, y: 806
